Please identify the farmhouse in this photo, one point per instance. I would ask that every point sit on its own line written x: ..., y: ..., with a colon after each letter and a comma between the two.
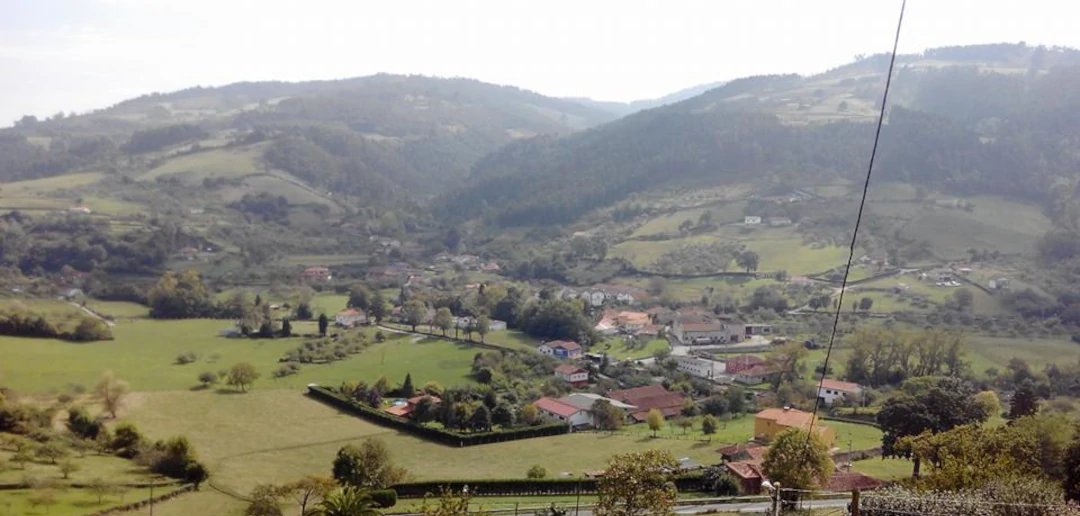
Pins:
x: 650, y: 397
x: 406, y: 408
x: 751, y: 220
x: 572, y: 375
x: 755, y: 375
x: 189, y: 253
x: 779, y: 221
x: 700, y: 367
x: 622, y: 321
x: 706, y: 333
x: 772, y: 421
x: 565, y: 350
x: 350, y: 317
x: 315, y: 274
x: 557, y: 410
x: 830, y: 390
x: 759, y: 329
x: 742, y: 363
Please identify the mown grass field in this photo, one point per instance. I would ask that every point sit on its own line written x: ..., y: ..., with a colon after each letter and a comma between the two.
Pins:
x: 618, y: 348
x: 48, y: 185
x: 71, y: 502
x: 884, y: 469
x: 984, y: 352
x: 144, y: 353
x: 276, y: 435
x: 742, y: 428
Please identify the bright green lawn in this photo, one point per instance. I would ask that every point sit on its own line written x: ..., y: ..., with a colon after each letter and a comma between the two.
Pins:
x: 884, y: 469
x: 118, y: 309
x: 513, y: 339
x: 616, y: 347
x: 792, y: 256
x: 215, y: 163
x: 984, y: 352
x: 742, y: 428
x: 109, y: 467
x: 144, y: 352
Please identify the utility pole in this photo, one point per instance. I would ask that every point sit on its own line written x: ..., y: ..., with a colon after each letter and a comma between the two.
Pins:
x: 850, y: 459
x: 855, y: 503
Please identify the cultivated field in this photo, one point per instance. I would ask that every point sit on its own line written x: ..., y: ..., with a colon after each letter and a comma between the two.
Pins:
x: 225, y: 163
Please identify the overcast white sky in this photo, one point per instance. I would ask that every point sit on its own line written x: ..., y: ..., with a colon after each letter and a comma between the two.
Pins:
x: 86, y: 54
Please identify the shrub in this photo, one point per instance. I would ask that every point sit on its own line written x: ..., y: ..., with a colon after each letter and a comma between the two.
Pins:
x: 286, y: 370
x: 186, y: 358
x: 208, y: 378
x: 81, y: 424
x: 384, y: 498
x: 379, y: 336
x: 537, y: 471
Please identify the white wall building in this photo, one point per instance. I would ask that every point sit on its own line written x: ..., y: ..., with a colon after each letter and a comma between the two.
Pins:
x: 831, y: 390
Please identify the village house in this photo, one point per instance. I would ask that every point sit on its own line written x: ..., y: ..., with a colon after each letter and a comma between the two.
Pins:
x: 755, y: 375
x: 706, y: 333
x: 316, y: 274
x: 758, y: 329
x: 565, y: 350
x: 613, y: 322
x: 650, y: 397
x: 1001, y: 283
x: 830, y: 390
x: 742, y: 363
x: 700, y: 367
x: 779, y: 221
x: 751, y: 220
x: 404, y: 410
x: 350, y: 317
x: 772, y: 421
x: 573, y: 375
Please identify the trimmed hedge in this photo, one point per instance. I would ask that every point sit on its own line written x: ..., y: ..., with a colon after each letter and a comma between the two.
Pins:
x: 384, y: 498
x: 435, y: 434
x: 524, y: 486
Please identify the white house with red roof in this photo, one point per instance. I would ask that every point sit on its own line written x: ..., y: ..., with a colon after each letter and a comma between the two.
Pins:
x: 830, y: 390
x: 350, y: 317
x: 563, y: 349
x: 557, y: 410
x: 572, y: 375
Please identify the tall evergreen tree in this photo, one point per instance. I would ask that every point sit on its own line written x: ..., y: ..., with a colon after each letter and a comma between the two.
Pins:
x: 407, y: 388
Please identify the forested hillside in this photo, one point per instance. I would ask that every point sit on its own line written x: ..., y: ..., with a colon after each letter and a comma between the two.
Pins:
x: 994, y: 119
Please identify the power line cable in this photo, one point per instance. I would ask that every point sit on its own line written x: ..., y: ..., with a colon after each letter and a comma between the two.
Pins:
x: 858, y: 219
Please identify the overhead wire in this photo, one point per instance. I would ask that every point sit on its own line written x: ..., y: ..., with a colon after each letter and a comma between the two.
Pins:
x: 858, y: 220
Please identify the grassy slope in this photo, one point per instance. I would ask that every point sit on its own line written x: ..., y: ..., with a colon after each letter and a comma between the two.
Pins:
x: 49, y: 185
x: 193, y: 168
x: 144, y: 351
x: 72, y: 502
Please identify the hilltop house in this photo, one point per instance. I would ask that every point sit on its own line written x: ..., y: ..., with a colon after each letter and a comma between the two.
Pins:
x: 830, y: 390
x: 572, y: 375
x: 772, y: 421
x: 350, y: 317
x: 650, y: 397
x: 562, y: 349
x: 751, y: 220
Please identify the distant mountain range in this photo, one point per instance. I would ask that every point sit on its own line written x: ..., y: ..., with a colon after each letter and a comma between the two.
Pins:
x: 626, y: 108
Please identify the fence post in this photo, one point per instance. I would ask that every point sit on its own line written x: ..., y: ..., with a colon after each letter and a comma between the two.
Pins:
x: 855, y: 502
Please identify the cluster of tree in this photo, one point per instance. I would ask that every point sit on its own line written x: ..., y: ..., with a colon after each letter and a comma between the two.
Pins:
x: 173, y: 457
x: 158, y: 138
x: 888, y: 357
x: 929, y: 404
x: 20, y: 159
x: 558, y: 320
x: 264, y: 206
x: 327, y: 350
x: 39, y: 245
x: 21, y: 322
x: 699, y: 259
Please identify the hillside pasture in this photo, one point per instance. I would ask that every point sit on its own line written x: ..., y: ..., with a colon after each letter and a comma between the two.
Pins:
x: 223, y: 163
x: 144, y: 353
x: 49, y: 185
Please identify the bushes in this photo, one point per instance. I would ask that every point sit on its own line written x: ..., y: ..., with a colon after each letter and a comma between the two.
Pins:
x: 186, y: 358
x: 286, y: 370
x: 24, y: 323
x: 81, y: 424
x: 384, y: 498
x: 522, y: 486
x: 435, y: 434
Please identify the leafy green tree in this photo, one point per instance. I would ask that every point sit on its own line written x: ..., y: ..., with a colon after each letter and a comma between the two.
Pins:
x: 709, y: 426
x: 748, y: 260
x: 503, y: 415
x: 208, y: 378
x: 111, y: 391
x: 964, y: 298
x: 685, y: 423
x: 286, y: 328
x: 1025, y: 401
x: 50, y: 451
x: 303, y: 311
x: 425, y: 410
x: 68, y: 466
x: 797, y: 459
x: 480, y: 420
x: 178, y: 296
x: 989, y: 402
x: 865, y: 304
x: 265, y: 500
x: 415, y: 313
x: 444, y: 320
x: 529, y: 414
x: 242, y: 375
x: 360, y: 296
x: 655, y: 420
x: 607, y: 416
x: 324, y: 323
x: 483, y: 326
x: 367, y: 466
x: 637, y: 484
x: 126, y: 440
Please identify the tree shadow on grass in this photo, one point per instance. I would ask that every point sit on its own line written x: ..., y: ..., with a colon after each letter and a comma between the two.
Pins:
x: 228, y: 391
x: 200, y: 387
x: 702, y: 444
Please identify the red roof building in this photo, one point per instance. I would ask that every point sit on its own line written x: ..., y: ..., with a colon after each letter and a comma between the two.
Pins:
x: 742, y: 363
x: 557, y: 408
x: 404, y: 410
x: 650, y: 397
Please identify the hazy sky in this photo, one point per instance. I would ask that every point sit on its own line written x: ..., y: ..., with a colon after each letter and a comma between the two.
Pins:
x: 85, y: 54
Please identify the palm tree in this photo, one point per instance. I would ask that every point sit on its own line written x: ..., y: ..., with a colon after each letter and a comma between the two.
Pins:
x: 347, y: 502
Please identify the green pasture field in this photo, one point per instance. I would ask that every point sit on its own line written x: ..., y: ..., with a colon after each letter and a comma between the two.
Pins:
x: 73, y: 502
x: 791, y: 255
x: 669, y: 223
x: 113, y: 207
x: 984, y: 351
x: 48, y: 185
x: 118, y: 309
x: 227, y: 163
x: 276, y: 186
x: 884, y: 469
x: 690, y: 290
x: 616, y: 348
x: 326, y: 260
x: 109, y: 467
x: 144, y: 353
x: 278, y: 435
x: 742, y: 428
